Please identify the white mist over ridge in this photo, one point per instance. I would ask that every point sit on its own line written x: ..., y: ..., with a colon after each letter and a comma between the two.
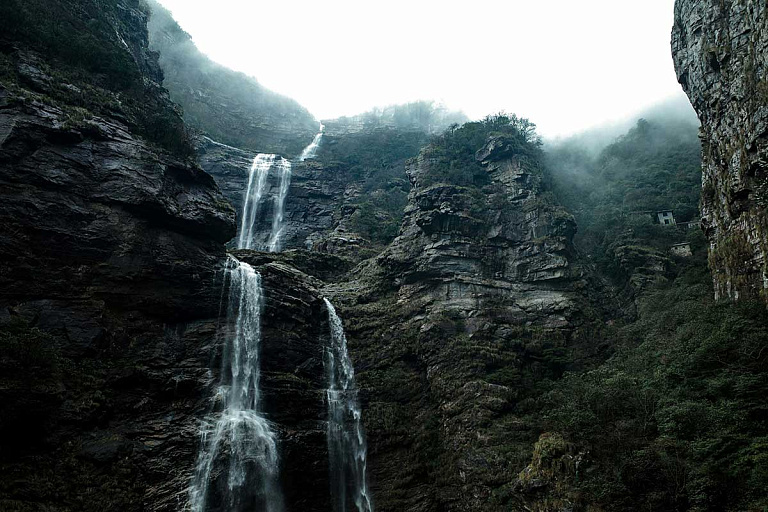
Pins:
x: 565, y: 65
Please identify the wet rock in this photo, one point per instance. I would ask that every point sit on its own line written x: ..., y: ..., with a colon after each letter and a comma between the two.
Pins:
x: 720, y: 49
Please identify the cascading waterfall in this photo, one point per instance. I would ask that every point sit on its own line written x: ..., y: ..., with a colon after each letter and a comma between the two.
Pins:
x: 347, y: 448
x: 254, y: 192
x: 284, y: 176
x: 237, y: 468
x: 311, y: 150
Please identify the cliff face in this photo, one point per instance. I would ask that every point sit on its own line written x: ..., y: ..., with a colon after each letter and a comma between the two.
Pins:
x: 720, y: 50
x: 450, y: 326
x: 111, y: 251
x: 230, y: 107
x: 347, y: 201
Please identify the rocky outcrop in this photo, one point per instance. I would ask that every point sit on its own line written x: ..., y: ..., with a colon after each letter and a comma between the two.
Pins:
x: 450, y: 326
x: 720, y: 49
x: 111, y: 251
x: 295, y: 332
x: 314, y: 206
x: 230, y: 107
x: 108, y: 247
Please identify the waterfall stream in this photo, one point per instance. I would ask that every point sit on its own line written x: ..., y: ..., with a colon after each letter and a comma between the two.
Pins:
x: 347, y: 449
x: 284, y: 177
x: 256, y: 190
x: 237, y: 467
x: 311, y: 150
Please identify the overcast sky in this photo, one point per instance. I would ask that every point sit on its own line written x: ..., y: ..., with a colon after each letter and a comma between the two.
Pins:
x: 567, y: 65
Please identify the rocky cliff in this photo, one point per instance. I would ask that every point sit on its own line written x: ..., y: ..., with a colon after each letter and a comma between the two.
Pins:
x: 720, y: 49
x: 450, y: 325
x: 111, y: 250
x: 230, y: 107
x: 347, y: 201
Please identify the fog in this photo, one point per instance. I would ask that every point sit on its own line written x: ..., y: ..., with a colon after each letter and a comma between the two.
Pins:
x: 675, y: 111
x: 565, y: 65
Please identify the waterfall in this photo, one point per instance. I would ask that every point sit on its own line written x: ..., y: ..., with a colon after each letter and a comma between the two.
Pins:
x: 237, y: 467
x: 256, y: 189
x: 311, y: 150
x: 257, y: 181
x: 347, y: 448
x: 284, y: 176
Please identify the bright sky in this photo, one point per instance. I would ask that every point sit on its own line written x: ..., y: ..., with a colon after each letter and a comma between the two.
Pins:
x: 567, y: 65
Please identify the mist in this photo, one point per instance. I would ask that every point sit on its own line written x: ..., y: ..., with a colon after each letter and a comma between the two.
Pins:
x: 340, y: 58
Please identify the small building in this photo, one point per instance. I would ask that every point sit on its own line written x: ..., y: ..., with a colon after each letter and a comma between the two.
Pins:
x: 683, y: 250
x: 666, y: 218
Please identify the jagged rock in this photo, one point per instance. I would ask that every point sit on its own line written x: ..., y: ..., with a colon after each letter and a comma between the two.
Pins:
x: 447, y: 324
x: 111, y: 252
x: 313, y: 205
x: 719, y: 49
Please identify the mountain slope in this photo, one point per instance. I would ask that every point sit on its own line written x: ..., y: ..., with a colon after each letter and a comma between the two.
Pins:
x: 227, y: 106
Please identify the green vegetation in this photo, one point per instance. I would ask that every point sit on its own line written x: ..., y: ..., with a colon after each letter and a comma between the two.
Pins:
x: 615, y: 194
x: 26, y: 350
x: 375, y: 159
x: 422, y: 116
x: 677, y: 419
x: 454, y: 150
x: 91, y: 55
x: 230, y: 107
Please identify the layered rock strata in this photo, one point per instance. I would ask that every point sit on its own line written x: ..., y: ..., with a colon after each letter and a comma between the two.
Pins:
x: 720, y: 50
x: 470, y: 305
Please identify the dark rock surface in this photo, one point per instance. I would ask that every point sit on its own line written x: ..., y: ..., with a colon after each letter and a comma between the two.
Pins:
x: 111, y: 251
x: 325, y: 193
x: 313, y: 205
x: 294, y: 333
x: 452, y: 323
x: 720, y: 49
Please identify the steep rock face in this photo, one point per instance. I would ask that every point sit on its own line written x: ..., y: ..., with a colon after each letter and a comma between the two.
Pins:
x: 354, y: 176
x: 230, y: 107
x: 720, y: 51
x: 109, y: 241
x: 450, y: 326
x: 295, y: 331
x: 313, y: 208
x: 86, y: 206
x: 111, y: 254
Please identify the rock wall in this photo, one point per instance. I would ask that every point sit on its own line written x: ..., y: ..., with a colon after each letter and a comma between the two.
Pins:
x: 451, y: 326
x: 111, y: 247
x: 325, y: 192
x: 720, y: 49
x: 313, y: 207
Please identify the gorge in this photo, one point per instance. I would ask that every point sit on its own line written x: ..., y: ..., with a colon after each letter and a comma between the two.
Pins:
x: 209, y: 304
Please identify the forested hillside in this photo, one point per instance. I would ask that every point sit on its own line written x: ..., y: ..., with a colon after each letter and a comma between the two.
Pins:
x: 675, y: 418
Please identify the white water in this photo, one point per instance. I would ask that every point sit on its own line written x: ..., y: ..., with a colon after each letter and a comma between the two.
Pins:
x: 278, y: 224
x: 311, y: 150
x: 347, y: 448
x: 237, y: 467
x: 254, y: 192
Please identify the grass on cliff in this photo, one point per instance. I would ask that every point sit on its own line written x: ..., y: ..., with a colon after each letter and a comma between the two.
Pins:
x: 676, y: 419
